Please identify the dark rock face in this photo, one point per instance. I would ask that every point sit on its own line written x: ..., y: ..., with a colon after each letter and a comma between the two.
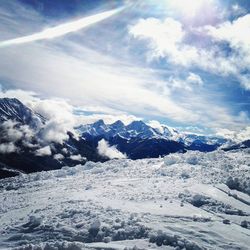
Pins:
x: 147, y: 148
x: 27, y: 162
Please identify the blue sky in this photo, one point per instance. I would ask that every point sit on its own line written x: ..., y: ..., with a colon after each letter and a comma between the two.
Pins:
x: 185, y: 64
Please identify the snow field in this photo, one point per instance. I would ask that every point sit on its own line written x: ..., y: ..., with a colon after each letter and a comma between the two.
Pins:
x: 181, y: 201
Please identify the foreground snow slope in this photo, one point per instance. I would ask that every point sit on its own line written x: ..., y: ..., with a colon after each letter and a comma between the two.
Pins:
x: 179, y: 202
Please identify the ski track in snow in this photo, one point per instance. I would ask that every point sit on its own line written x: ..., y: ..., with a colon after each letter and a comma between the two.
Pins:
x: 177, y: 202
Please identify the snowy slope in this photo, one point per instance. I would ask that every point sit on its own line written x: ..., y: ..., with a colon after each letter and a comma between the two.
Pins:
x: 177, y: 202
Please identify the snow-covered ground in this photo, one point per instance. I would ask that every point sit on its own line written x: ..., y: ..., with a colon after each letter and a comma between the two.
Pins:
x: 177, y: 202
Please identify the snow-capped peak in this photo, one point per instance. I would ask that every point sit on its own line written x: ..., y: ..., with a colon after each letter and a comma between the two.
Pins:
x: 134, y: 129
x: 13, y: 109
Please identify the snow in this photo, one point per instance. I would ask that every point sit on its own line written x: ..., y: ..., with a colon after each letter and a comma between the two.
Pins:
x: 181, y: 201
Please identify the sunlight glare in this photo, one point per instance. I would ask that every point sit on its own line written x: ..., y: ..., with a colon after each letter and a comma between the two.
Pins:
x: 187, y: 7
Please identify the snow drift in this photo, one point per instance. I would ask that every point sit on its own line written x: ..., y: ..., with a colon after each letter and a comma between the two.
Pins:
x: 182, y: 201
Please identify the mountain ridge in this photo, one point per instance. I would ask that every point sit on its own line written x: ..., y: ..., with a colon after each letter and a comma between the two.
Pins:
x: 136, y: 138
x: 143, y: 130
x: 13, y: 109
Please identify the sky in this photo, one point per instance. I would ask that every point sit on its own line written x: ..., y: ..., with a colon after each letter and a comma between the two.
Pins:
x: 183, y: 63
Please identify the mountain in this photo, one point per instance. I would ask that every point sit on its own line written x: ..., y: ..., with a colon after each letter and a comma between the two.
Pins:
x: 21, y: 154
x: 96, y: 129
x: 27, y: 161
x: 139, y: 140
x: 201, y: 143
x: 13, y: 109
x: 139, y: 148
x: 241, y: 145
x: 140, y: 130
x: 136, y: 129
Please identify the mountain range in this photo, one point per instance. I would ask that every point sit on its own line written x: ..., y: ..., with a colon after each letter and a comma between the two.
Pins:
x: 23, y: 150
x: 139, y: 140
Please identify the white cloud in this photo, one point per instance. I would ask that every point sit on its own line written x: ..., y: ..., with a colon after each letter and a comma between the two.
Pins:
x: 14, y: 132
x: 54, y: 132
x: 168, y: 39
x: 245, y: 81
x: 156, y: 125
x: 43, y: 151
x: 65, y: 150
x: 192, y: 130
x: 59, y: 115
x: 237, y: 136
x: 189, y: 83
x: 58, y: 157
x: 77, y: 158
x: 10, y: 132
x: 226, y: 133
x: 244, y: 134
x: 104, y: 149
x: 234, y: 33
x: 8, y: 148
x: 60, y: 119
x: 26, y: 97
x: 194, y: 79
x: 165, y: 37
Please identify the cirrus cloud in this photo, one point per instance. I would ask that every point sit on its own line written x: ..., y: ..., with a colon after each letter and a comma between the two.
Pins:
x: 61, y: 29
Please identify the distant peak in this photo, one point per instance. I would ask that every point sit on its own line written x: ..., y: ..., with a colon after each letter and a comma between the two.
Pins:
x: 8, y: 103
x: 99, y: 122
x: 10, y: 100
x: 118, y: 123
x: 137, y: 123
x: 13, y: 109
